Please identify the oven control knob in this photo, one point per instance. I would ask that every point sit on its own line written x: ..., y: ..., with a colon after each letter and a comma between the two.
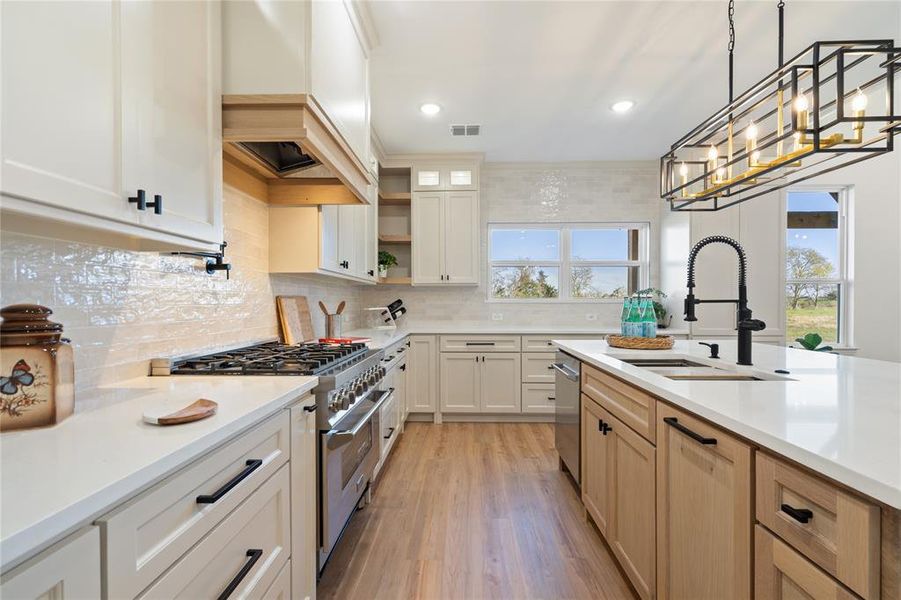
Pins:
x: 360, y: 388
x: 334, y: 405
x: 345, y: 399
x: 373, y: 378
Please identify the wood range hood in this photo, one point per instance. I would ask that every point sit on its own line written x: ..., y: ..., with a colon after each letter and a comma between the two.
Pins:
x: 288, y: 144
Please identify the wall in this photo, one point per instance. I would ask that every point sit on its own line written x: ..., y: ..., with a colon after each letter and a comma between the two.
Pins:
x: 531, y: 193
x: 122, y: 308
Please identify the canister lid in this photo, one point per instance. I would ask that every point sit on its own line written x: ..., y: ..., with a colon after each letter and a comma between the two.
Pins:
x: 27, y: 323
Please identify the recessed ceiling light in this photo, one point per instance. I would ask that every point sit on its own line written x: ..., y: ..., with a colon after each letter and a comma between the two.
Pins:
x: 622, y: 106
x: 430, y: 109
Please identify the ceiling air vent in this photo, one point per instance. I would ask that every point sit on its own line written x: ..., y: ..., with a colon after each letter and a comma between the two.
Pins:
x: 465, y: 130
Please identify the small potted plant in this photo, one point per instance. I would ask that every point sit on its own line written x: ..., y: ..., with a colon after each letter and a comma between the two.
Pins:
x: 386, y: 260
x: 659, y: 310
x: 812, y: 341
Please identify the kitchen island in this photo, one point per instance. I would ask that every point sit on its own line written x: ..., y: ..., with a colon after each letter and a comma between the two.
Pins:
x: 786, y: 473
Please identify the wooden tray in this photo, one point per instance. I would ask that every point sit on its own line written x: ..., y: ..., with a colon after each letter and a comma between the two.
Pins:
x: 661, y: 342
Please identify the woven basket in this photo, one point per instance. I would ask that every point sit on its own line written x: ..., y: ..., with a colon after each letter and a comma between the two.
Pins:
x: 661, y: 342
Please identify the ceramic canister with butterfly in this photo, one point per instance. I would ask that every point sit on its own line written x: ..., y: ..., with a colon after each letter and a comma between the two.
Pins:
x: 36, y: 369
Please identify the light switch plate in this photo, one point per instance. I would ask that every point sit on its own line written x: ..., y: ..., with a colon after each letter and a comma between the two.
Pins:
x: 497, y: 316
x: 591, y: 316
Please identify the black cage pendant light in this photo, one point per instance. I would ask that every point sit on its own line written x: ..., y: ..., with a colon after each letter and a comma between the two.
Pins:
x: 830, y: 106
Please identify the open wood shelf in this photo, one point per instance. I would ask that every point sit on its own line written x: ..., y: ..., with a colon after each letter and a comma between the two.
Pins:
x: 386, y: 238
x: 395, y: 280
x: 394, y: 198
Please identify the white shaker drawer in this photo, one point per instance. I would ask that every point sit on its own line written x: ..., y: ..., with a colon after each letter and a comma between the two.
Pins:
x: 244, y: 553
x: 537, y: 367
x: 479, y: 343
x: 538, y: 398
x: 543, y: 343
x: 146, y: 535
x: 281, y: 587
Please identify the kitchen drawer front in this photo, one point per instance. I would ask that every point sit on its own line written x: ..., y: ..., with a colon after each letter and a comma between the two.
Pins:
x: 841, y: 534
x: 146, y: 535
x: 538, y: 367
x: 281, y: 587
x: 780, y: 573
x: 543, y: 343
x: 538, y: 398
x: 479, y: 343
x: 257, y: 535
x: 630, y: 405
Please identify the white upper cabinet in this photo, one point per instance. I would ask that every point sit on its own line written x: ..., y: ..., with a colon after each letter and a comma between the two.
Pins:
x: 109, y: 116
x: 445, y: 235
x: 463, y: 175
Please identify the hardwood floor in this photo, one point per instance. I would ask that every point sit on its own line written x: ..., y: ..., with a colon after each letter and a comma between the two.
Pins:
x: 473, y: 510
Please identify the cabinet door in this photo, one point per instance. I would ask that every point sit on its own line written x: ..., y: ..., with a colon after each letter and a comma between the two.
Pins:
x: 703, y: 510
x: 460, y: 386
x: 594, y: 464
x: 304, y: 540
x: 501, y: 391
x: 401, y: 386
x: 328, y: 230
x: 62, y: 117
x: 780, y: 573
x: 422, y: 366
x: 461, y: 238
x: 371, y: 248
x: 347, y: 223
x: 461, y: 177
x: 428, y: 238
x: 172, y: 107
x: 630, y: 488
x: 69, y: 569
x: 428, y: 177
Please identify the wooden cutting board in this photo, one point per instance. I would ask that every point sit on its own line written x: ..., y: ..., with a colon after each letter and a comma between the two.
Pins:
x: 165, y: 414
x: 294, y: 317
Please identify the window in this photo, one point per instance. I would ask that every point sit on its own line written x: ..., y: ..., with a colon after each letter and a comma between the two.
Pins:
x: 586, y: 262
x: 816, y: 282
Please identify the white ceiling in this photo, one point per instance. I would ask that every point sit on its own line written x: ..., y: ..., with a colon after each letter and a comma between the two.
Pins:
x: 540, y: 76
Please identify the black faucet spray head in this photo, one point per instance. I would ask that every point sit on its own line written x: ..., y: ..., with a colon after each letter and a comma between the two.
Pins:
x: 690, y: 307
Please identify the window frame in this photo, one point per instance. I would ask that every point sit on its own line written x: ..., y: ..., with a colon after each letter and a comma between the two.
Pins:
x: 565, y: 262
x: 843, y: 279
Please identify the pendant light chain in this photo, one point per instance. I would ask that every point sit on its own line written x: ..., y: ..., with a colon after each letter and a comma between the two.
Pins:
x: 731, y: 46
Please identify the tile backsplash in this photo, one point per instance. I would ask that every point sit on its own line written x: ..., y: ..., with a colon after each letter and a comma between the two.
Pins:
x: 541, y: 193
x: 122, y: 308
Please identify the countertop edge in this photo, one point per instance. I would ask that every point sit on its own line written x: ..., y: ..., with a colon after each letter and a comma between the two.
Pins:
x: 862, y: 484
x: 26, y: 543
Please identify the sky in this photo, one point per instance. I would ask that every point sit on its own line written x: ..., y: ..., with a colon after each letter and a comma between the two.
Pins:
x: 824, y: 241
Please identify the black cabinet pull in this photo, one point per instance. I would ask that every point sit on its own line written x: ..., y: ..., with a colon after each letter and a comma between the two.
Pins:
x: 252, y: 465
x: 390, y: 433
x: 601, y: 426
x: 674, y: 422
x: 442, y: 278
x: 157, y: 204
x: 801, y: 515
x: 311, y: 408
x: 403, y: 367
x: 447, y: 277
x: 479, y: 343
x: 551, y: 398
x: 344, y: 264
x: 371, y: 273
x: 254, y: 555
x: 140, y: 200
x: 550, y: 367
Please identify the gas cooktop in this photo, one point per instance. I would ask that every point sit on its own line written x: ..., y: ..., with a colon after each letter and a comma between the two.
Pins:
x: 270, y: 358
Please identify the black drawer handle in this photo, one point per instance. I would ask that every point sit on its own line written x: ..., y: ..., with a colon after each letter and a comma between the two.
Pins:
x: 801, y: 515
x: 140, y: 200
x: 551, y: 398
x: 254, y: 555
x: 479, y: 343
x: 311, y: 408
x: 157, y: 204
x: 403, y: 367
x: 674, y: 422
x: 252, y: 465
x: 550, y: 367
x: 390, y: 433
x: 602, y: 427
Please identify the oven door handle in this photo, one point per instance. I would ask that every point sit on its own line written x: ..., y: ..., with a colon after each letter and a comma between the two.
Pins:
x: 336, y: 439
x: 566, y: 371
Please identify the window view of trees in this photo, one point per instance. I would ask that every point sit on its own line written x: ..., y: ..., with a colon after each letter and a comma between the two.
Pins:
x: 812, y: 267
x: 524, y: 281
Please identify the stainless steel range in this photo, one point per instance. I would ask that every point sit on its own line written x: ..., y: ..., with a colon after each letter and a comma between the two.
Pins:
x: 348, y: 398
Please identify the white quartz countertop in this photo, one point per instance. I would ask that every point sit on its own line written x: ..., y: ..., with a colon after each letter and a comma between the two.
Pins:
x: 56, y: 479
x: 382, y: 338
x: 839, y: 416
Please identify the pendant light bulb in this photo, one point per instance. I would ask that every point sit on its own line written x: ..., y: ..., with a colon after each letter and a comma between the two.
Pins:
x: 751, y: 131
x: 683, y: 170
x: 859, y: 103
x: 712, y: 154
x: 801, y: 103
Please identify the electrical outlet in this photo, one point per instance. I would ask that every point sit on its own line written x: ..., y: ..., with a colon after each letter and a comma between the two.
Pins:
x: 497, y: 316
x: 591, y: 316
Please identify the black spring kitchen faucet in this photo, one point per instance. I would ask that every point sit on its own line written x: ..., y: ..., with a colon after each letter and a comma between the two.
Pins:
x: 745, y: 323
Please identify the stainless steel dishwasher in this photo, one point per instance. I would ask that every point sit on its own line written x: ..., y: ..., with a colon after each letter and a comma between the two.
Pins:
x: 567, y: 415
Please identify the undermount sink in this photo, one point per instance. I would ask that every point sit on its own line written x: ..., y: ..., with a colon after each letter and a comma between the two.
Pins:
x: 682, y: 369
